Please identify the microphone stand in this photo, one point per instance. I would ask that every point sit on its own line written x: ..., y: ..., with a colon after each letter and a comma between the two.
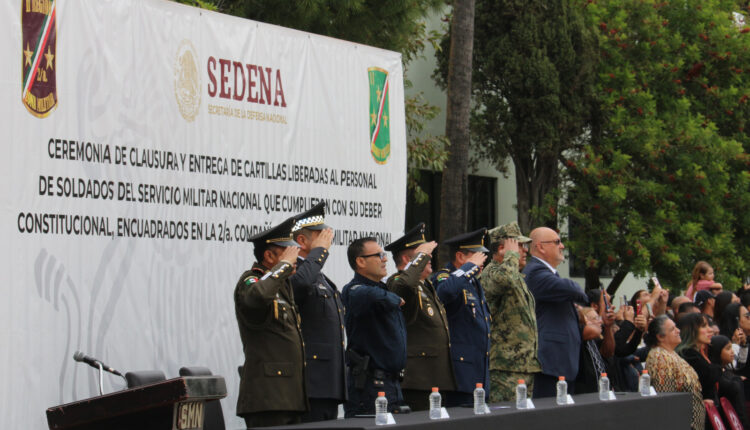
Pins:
x: 101, y: 378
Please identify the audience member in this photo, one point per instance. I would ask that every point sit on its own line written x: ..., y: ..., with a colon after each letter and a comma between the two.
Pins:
x: 669, y: 372
x: 721, y: 355
x: 705, y: 301
x: 735, y: 324
x: 722, y: 300
x: 696, y: 335
x: 591, y: 364
x: 702, y: 279
x: 676, y: 303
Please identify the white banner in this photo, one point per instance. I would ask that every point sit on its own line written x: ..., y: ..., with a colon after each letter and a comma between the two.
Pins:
x: 144, y: 142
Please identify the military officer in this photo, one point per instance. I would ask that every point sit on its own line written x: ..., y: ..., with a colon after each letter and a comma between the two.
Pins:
x: 375, y: 327
x: 322, y: 316
x: 459, y: 289
x: 513, y: 354
x: 272, y: 384
x: 428, y: 360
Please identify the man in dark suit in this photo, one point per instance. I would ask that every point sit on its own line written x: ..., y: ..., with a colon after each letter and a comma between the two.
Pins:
x: 556, y: 314
x: 428, y: 362
x: 272, y: 384
x: 322, y: 315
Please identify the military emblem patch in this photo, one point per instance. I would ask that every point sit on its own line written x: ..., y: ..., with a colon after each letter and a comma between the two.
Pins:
x: 38, y: 56
x: 430, y: 312
x: 380, y: 134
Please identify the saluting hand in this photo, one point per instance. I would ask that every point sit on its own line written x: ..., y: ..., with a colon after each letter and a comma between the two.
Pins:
x: 478, y: 258
x: 510, y: 244
x: 323, y: 240
x: 427, y: 247
x: 290, y: 254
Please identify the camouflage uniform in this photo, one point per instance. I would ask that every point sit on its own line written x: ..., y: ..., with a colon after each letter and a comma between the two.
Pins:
x: 513, y: 351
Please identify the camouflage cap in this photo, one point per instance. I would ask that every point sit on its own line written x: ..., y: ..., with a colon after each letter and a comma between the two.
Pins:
x: 507, y: 231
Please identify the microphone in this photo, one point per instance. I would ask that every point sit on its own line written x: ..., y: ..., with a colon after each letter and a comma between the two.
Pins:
x: 93, y: 362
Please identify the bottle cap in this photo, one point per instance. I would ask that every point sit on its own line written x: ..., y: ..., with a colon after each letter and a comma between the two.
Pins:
x: 479, y: 385
x: 521, y: 381
x: 434, y: 389
x: 561, y: 378
x: 604, y: 374
x: 645, y: 371
x: 381, y: 393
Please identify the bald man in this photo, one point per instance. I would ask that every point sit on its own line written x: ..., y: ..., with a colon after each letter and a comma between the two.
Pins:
x: 556, y: 315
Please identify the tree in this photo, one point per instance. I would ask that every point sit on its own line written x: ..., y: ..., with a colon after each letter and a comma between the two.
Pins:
x: 664, y: 180
x: 533, y: 73
x: 396, y: 25
x: 453, y: 199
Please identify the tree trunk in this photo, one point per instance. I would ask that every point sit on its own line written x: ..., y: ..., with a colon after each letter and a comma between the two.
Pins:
x: 617, y: 280
x: 534, y: 180
x: 453, y: 198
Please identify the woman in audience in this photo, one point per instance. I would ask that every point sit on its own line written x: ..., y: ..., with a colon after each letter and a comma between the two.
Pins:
x: 591, y: 364
x: 722, y: 300
x: 721, y: 354
x: 669, y: 372
x: 734, y: 324
x: 696, y: 336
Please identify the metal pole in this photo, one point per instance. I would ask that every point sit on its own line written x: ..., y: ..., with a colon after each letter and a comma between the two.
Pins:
x: 101, y: 379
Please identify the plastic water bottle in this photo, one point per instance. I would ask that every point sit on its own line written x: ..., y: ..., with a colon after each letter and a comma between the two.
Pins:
x: 644, y: 384
x: 435, y: 404
x: 479, y: 406
x: 521, y: 394
x: 381, y: 409
x: 604, y: 387
x: 562, y: 391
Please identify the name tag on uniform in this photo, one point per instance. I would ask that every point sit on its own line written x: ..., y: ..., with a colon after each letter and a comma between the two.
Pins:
x: 188, y: 416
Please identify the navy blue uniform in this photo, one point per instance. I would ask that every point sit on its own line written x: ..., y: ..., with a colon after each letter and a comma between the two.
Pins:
x: 469, y: 323
x: 322, y: 315
x: 376, y: 329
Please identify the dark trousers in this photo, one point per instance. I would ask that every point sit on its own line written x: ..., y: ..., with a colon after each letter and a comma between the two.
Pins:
x: 362, y: 401
x: 321, y: 410
x: 272, y: 418
x: 453, y: 399
x: 546, y: 386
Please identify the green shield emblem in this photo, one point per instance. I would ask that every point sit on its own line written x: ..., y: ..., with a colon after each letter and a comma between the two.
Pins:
x: 380, y: 133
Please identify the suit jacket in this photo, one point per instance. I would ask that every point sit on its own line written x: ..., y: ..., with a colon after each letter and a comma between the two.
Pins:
x: 428, y: 357
x: 273, y: 376
x: 322, y: 327
x: 556, y: 318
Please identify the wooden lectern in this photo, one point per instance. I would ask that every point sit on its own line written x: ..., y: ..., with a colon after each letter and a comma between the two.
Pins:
x: 175, y: 404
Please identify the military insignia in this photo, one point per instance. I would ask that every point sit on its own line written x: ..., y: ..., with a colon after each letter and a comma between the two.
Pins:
x: 251, y: 280
x: 39, y: 56
x: 430, y: 312
x: 442, y: 276
x: 187, y: 81
x: 380, y: 134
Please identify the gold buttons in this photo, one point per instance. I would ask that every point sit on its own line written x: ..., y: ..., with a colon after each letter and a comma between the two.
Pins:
x: 278, y: 372
x: 315, y: 357
x: 462, y: 359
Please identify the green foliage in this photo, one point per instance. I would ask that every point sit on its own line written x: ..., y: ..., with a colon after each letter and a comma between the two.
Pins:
x: 203, y: 4
x: 664, y: 181
x: 533, y: 84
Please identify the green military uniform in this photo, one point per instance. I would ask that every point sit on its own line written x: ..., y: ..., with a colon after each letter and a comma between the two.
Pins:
x: 428, y: 362
x: 513, y: 351
x: 272, y: 384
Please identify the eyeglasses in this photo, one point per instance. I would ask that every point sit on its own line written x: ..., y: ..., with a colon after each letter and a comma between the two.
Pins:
x: 556, y: 241
x: 382, y: 255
